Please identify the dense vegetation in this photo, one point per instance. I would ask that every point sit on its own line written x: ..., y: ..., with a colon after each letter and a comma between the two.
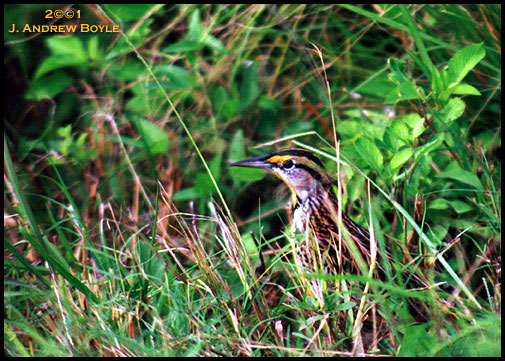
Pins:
x: 126, y: 233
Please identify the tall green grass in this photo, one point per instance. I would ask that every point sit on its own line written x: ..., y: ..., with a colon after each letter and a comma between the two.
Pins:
x: 126, y: 234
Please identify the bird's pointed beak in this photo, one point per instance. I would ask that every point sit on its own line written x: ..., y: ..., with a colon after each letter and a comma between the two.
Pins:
x: 257, y: 162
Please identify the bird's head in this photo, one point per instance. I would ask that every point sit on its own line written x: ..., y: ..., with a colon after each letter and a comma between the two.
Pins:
x: 299, y: 169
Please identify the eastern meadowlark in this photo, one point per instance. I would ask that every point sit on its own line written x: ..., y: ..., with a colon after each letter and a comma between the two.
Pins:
x: 315, y: 212
x: 315, y: 206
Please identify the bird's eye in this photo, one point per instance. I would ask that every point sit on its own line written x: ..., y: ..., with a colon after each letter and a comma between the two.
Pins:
x: 288, y: 164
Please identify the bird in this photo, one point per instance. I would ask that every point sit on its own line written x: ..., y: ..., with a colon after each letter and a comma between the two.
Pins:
x: 315, y: 208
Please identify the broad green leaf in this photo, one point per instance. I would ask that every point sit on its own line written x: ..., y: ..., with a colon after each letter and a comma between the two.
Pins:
x: 405, y: 91
x: 67, y: 45
x: 249, y: 88
x: 379, y: 86
x: 48, y: 86
x: 225, y: 106
x: 237, y: 149
x: 439, y: 203
x: 129, y: 12
x: 215, y: 165
x: 400, y: 130
x: 438, y: 233
x: 56, y: 62
x: 185, y: 194
x: 463, y: 62
x: 265, y: 102
x: 370, y: 154
x: 453, y: 109
x: 65, y: 51
x: 453, y: 171
x: 179, y: 78
x: 237, y: 152
x: 203, y: 184
x: 349, y: 128
x: 400, y: 158
x: 129, y: 71
x: 461, y: 207
x: 156, y: 139
x: 250, y: 245
x: 435, y: 142
x: 195, y: 31
x: 398, y: 74
x: 465, y: 89
x: 93, y: 48
x: 437, y: 85
x: 416, y: 123
x: 214, y: 43
x: 183, y: 46
x: 408, y: 90
x: 65, y: 131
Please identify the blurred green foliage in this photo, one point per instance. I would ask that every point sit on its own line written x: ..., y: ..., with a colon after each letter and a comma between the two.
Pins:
x: 415, y: 91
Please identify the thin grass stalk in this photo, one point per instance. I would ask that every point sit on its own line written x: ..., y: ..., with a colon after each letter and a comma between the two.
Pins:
x: 169, y: 100
x: 38, y: 242
x: 409, y: 219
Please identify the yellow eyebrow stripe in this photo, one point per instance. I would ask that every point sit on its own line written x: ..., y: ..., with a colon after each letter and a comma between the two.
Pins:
x: 278, y: 158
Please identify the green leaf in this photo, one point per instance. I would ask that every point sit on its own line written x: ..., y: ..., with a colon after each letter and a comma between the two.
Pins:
x: 416, y: 123
x: 237, y: 152
x: 438, y: 233
x: 398, y: 74
x: 408, y: 90
x: 463, y: 62
x: 453, y: 109
x: 93, y: 48
x: 183, y: 46
x: 48, y: 86
x: 129, y: 12
x: 65, y: 51
x: 250, y: 245
x: 195, y: 31
x: 437, y: 85
x: 370, y: 154
x: 156, y: 139
x: 237, y: 148
x: 130, y: 71
x: 465, y: 89
x: 265, y: 102
x: 400, y: 158
x: 400, y: 130
x: 249, y: 88
x: 453, y: 171
x: 215, y: 165
x: 461, y: 207
x: 179, y: 77
x: 432, y: 145
x: 185, y: 194
x: 405, y: 91
x: 226, y: 106
x: 67, y: 45
x: 439, y: 203
x: 56, y: 62
x: 425, y: 69
x: 416, y: 342
x: 214, y: 43
x: 65, y: 131
x: 379, y: 86
x: 203, y: 184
